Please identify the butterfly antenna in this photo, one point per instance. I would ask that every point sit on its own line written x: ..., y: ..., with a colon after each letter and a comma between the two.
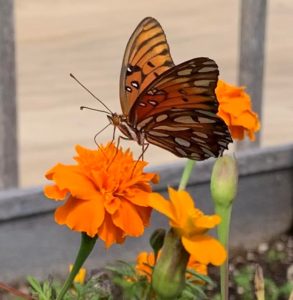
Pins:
x: 108, y: 109
x: 94, y: 109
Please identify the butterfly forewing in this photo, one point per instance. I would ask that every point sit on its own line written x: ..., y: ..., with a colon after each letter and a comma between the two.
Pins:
x: 147, y: 55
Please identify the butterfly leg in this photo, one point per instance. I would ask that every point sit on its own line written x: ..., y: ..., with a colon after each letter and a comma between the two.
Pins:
x: 113, y: 137
x: 96, y: 135
x: 144, y: 149
x: 120, y: 137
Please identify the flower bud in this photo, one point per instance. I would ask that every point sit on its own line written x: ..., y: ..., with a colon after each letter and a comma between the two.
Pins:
x: 168, y: 278
x: 157, y: 239
x: 224, y: 181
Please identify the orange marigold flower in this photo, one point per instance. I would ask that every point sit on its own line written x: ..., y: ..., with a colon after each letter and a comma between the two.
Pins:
x: 106, y: 193
x: 236, y: 110
x: 192, y: 225
x: 145, y: 261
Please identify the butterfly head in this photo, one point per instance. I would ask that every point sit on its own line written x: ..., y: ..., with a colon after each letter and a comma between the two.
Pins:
x: 130, y: 133
x: 115, y: 119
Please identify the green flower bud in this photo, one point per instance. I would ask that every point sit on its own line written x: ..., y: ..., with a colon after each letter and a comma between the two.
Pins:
x: 224, y: 181
x: 168, y: 278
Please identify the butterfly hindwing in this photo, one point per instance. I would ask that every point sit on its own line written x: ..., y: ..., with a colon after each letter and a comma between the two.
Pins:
x: 147, y: 55
x: 188, y: 133
x: 178, y: 111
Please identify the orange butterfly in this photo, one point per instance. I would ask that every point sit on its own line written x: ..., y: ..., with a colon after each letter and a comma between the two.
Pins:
x: 173, y: 107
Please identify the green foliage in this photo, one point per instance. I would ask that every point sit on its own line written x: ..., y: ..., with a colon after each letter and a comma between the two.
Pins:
x: 124, y: 280
x: 48, y: 290
x: 274, y: 256
x: 135, y: 286
x: 243, y: 281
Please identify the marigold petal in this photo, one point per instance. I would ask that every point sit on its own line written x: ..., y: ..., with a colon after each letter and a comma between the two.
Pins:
x: 162, y: 205
x: 182, y: 205
x: 82, y: 216
x: 145, y: 214
x: 72, y: 179
x: 137, y: 196
x: 53, y: 192
x: 237, y: 132
x: 128, y: 219
x: 205, y: 249
x: 110, y: 233
x: 207, y: 222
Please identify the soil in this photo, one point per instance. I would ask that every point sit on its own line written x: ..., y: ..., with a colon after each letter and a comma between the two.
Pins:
x: 276, y: 261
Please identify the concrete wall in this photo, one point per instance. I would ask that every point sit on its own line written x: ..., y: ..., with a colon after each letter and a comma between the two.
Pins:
x: 32, y: 244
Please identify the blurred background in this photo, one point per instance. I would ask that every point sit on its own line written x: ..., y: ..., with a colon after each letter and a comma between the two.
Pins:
x: 53, y: 38
x: 56, y: 37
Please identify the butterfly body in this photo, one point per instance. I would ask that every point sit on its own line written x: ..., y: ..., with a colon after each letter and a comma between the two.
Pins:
x: 171, y: 106
x: 120, y: 121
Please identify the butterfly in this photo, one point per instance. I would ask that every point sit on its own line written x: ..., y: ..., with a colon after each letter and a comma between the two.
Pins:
x: 171, y: 106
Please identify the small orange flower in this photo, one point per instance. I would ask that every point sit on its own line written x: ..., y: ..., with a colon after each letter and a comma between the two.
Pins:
x: 236, y: 110
x: 106, y: 193
x: 192, y: 225
x: 145, y: 261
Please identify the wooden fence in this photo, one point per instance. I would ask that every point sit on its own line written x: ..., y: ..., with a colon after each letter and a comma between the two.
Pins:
x: 251, y: 62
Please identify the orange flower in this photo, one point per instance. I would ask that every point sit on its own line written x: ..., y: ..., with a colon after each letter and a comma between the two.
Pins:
x: 192, y: 225
x: 236, y: 110
x: 106, y: 193
x: 145, y: 261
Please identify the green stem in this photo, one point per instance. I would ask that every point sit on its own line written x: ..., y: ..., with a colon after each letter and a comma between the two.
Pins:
x: 223, y: 234
x: 186, y: 174
x: 86, y: 246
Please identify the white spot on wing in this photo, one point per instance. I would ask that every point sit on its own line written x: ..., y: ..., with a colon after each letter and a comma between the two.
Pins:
x: 219, y: 133
x: 157, y: 133
x: 182, y: 142
x: 205, y: 112
x: 207, y: 151
x: 197, y: 139
x: 195, y: 156
x: 207, y: 69
x: 161, y: 118
x: 202, y: 83
x: 209, y: 62
x: 168, y: 128
x: 224, y: 144
x: 181, y: 151
x: 153, y: 102
x: 184, y: 119
x: 144, y: 122
x: 184, y: 72
x: 200, y: 134
x: 206, y: 120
